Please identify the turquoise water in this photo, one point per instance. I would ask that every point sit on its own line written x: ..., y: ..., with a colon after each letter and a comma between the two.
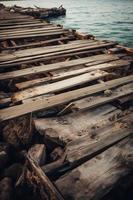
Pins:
x: 106, y: 19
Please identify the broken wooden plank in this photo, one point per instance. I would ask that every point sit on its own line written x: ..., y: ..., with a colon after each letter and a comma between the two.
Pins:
x: 40, y: 43
x: 84, y: 149
x: 96, y: 177
x: 61, y: 65
x: 63, y: 98
x: 53, y: 193
x: 59, y: 56
x: 88, y: 103
x: 43, y: 50
x: 58, y: 86
x: 14, y: 32
x: 40, y: 24
x: 60, y: 76
x: 39, y: 31
x: 33, y: 35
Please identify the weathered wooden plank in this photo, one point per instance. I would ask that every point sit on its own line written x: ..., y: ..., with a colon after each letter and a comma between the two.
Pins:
x: 59, y: 56
x: 73, y: 126
x: 84, y: 149
x: 25, y: 26
x: 96, y: 177
x: 33, y: 35
x: 53, y: 193
x: 91, y: 102
x: 18, y: 23
x: 40, y: 43
x: 33, y: 30
x: 53, y: 101
x: 55, y: 66
x: 45, y: 56
x: 57, y: 86
x: 42, y: 50
x: 39, y: 31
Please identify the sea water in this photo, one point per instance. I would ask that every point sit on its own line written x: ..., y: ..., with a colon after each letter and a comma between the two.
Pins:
x: 106, y: 19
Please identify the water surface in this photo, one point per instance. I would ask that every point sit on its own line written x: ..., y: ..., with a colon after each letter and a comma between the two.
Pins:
x: 106, y: 19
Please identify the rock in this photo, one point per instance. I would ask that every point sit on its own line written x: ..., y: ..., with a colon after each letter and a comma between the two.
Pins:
x: 14, y: 171
x: 3, y: 155
x: 107, y: 93
x: 56, y: 153
x: 6, y: 189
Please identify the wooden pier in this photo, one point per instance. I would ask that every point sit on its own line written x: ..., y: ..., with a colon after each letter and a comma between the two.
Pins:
x: 71, y: 93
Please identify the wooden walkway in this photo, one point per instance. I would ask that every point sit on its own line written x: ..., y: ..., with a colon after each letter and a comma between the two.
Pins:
x: 88, y: 86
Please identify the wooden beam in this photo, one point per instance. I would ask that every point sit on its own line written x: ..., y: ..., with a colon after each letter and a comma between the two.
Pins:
x: 52, y: 191
x: 92, y: 60
x: 33, y: 35
x: 40, y: 24
x: 26, y: 53
x: 96, y: 177
x: 34, y: 29
x: 58, y: 86
x: 40, y: 43
x: 87, y: 103
x: 83, y: 149
x: 63, y: 98
x: 20, y: 57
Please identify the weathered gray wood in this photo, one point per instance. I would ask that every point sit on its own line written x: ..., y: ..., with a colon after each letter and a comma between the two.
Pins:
x: 40, y: 43
x: 73, y: 126
x: 60, y: 76
x: 18, y: 23
x: 88, y: 103
x: 84, y: 149
x: 43, y: 50
x: 63, y: 98
x: 62, y: 65
x: 39, y: 31
x: 14, y: 32
x: 59, y: 56
x: 96, y: 177
x: 53, y: 193
x: 58, y: 86
x: 25, y: 26
x: 38, y: 153
x: 33, y: 35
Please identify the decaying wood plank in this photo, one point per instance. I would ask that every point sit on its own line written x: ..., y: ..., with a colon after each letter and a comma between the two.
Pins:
x: 68, y: 128
x: 63, y: 98
x: 16, y: 32
x: 33, y: 35
x: 50, y: 189
x: 59, y: 56
x: 63, y: 75
x: 40, y: 24
x: 96, y: 177
x: 94, y: 101
x: 42, y: 50
x: 38, y: 153
x: 41, y: 43
x: 16, y: 60
x: 84, y: 149
x: 92, y: 60
x: 58, y: 86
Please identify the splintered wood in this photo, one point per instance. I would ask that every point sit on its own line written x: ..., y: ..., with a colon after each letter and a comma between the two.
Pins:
x: 65, y: 112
